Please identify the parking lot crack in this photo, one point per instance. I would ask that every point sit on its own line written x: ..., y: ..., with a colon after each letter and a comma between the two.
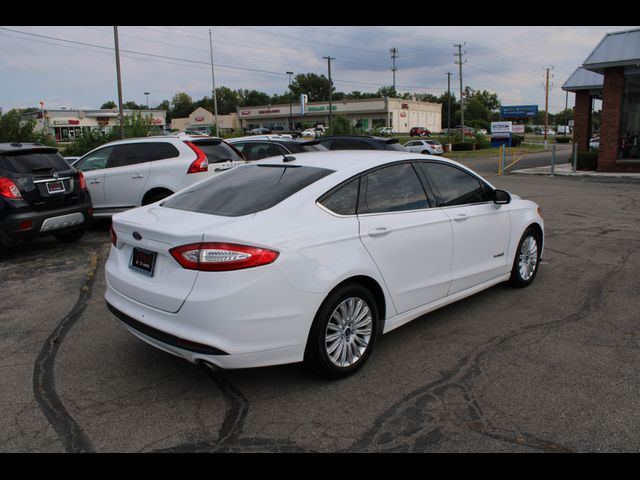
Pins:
x: 44, y: 387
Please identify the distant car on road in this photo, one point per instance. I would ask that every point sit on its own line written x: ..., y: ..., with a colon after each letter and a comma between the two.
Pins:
x: 594, y: 143
x: 386, y: 131
x: 431, y: 147
x: 419, y: 131
x: 260, y: 131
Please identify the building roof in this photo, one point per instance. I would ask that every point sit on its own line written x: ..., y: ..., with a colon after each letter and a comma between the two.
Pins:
x: 583, y: 79
x: 616, y: 49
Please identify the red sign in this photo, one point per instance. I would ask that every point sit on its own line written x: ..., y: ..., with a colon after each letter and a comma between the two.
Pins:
x: 199, y: 119
x: 405, y: 105
x: 277, y: 110
x: 74, y: 122
x: 403, y: 114
x: 157, y: 121
x: 245, y: 112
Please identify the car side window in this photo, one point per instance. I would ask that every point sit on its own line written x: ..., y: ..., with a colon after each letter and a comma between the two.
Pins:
x: 392, y: 189
x: 162, y: 150
x: 95, y: 161
x: 455, y: 186
x: 128, y: 154
x: 344, y: 200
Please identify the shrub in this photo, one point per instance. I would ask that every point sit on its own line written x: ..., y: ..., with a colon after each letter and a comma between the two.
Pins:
x: 586, y: 161
x: 463, y: 146
x: 516, y: 140
x: 563, y: 139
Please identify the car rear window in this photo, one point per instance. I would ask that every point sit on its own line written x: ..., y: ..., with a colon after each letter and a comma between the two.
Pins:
x: 395, y: 146
x: 309, y: 146
x: 217, y: 151
x: 246, y: 189
x: 33, y: 162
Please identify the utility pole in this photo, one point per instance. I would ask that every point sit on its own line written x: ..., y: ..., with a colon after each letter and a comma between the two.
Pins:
x: 121, y: 109
x: 459, y: 63
x: 566, y: 113
x: 449, y: 107
x: 394, y: 54
x: 290, y: 107
x: 213, y: 80
x: 330, y: 110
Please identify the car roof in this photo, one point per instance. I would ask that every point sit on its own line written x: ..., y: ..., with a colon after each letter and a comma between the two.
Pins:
x: 260, y: 137
x: 353, y: 161
x: 17, y: 146
x: 360, y: 137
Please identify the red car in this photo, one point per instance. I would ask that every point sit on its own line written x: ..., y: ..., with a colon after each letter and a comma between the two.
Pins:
x: 420, y: 131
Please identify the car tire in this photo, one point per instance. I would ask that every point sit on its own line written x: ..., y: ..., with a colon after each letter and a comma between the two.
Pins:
x: 343, y: 332
x: 426, y: 152
x: 527, y: 260
x: 69, y: 237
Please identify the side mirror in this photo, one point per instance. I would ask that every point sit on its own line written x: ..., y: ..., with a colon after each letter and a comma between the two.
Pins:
x: 501, y: 197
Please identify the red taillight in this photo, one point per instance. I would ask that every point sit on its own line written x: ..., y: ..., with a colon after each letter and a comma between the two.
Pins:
x: 219, y: 257
x: 26, y: 225
x: 200, y: 164
x: 114, y: 237
x: 8, y: 189
x: 83, y: 183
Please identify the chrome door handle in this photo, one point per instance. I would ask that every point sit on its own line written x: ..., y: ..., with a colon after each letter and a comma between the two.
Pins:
x: 460, y: 217
x: 378, y: 232
x: 94, y: 181
x: 138, y: 176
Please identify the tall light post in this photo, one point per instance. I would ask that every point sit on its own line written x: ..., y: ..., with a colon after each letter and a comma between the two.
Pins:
x: 213, y: 80
x: 290, y: 106
x: 147, y: 94
x: 330, y: 109
x: 121, y: 108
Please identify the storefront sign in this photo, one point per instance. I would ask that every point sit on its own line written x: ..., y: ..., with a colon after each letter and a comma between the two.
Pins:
x: 405, y: 105
x: 275, y: 110
x: 519, y: 111
x: 199, y: 119
x: 321, y: 108
x: 519, y: 129
x: 69, y: 121
x: 157, y: 121
x: 245, y: 112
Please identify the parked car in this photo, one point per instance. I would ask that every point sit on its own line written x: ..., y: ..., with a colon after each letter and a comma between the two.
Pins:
x: 360, y: 142
x: 40, y: 194
x: 431, y: 147
x: 326, y: 253
x: 138, y: 171
x: 260, y: 131
x: 257, y: 148
x: 468, y: 131
x: 313, y: 132
x: 419, y: 131
x: 387, y: 131
x: 482, y: 131
x: 594, y: 143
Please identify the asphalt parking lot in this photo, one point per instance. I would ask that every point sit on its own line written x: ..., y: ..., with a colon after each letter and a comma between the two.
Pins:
x: 549, y: 368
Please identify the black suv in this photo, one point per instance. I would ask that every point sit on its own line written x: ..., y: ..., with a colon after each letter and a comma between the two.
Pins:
x: 40, y: 194
x: 255, y: 149
x: 360, y: 142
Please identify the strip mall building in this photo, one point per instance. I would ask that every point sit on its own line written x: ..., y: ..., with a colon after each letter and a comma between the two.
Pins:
x: 366, y: 114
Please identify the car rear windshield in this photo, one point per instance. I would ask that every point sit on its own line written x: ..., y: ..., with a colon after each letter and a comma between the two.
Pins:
x: 217, y: 151
x: 246, y: 189
x: 310, y: 146
x: 33, y: 162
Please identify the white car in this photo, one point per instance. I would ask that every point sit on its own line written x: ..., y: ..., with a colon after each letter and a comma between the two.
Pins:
x: 313, y: 132
x: 328, y: 251
x: 129, y: 173
x: 430, y: 147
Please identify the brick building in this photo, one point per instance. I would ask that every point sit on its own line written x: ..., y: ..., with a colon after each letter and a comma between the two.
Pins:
x: 611, y: 73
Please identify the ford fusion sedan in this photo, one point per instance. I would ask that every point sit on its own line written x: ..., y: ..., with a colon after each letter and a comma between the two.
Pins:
x: 311, y: 258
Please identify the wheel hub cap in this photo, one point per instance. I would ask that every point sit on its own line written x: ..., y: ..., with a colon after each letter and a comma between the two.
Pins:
x: 348, y: 332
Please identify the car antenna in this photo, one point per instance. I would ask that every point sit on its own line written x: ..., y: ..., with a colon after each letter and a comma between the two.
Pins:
x: 285, y: 158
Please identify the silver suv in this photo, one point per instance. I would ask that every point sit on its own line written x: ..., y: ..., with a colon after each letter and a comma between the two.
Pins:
x: 138, y: 171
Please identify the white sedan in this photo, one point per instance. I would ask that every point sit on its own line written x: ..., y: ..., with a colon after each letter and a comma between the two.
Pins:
x: 312, y: 258
x: 430, y: 147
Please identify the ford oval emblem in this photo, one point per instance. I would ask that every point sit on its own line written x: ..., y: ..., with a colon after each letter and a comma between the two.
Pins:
x: 137, y: 236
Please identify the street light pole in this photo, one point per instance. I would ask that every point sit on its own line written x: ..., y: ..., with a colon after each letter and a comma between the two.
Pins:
x: 290, y: 106
x: 213, y: 80
x: 330, y: 109
x: 147, y: 94
x: 121, y: 109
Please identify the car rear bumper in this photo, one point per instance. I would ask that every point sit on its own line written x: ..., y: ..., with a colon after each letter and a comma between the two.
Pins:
x: 30, y: 224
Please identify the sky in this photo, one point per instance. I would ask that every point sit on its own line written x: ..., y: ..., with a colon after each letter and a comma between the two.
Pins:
x: 74, y: 66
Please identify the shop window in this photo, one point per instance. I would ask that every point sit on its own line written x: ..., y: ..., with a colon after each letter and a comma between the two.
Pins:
x: 630, y: 142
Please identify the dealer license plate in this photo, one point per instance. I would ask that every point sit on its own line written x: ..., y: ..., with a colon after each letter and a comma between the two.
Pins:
x: 55, y: 187
x: 143, y: 261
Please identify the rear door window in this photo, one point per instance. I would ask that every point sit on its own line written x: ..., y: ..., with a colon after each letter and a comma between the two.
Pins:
x: 343, y: 200
x: 393, y: 189
x: 128, y: 154
x: 246, y: 189
x: 34, y: 162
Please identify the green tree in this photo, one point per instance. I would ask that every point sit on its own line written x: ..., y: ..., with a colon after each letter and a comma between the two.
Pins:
x: 387, y: 92
x: 108, y: 105
x: 341, y: 125
x: 252, y: 98
x: 131, y: 105
x: 315, y: 86
x: 181, y: 105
